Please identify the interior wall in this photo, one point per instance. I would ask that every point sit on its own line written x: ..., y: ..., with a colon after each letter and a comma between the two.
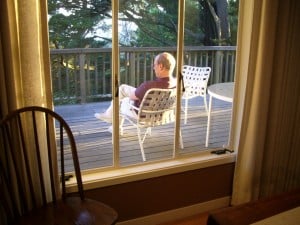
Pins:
x: 150, y: 196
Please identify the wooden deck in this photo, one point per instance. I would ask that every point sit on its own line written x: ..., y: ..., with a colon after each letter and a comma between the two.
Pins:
x: 94, y: 142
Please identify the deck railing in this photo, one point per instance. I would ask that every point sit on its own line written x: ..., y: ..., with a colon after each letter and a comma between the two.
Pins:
x: 84, y: 75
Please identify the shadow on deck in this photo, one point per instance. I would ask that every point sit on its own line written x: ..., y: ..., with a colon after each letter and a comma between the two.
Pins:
x: 94, y: 142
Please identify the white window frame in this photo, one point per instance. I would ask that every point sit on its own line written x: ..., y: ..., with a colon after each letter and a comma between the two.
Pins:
x: 116, y: 175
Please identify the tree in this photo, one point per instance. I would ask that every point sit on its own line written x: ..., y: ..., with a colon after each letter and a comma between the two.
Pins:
x: 156, y: 21
x: 206, y: 22
x: 219, y: 16
x: 233, y: 6
x: 73, y: 23
x: 84, y: 23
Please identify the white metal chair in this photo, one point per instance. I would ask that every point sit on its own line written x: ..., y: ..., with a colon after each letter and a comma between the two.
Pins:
x: 157, y: 108
x: 195, y: 81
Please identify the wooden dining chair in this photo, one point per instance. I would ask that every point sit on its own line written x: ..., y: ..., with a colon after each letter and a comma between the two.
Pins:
x: 34, y: 142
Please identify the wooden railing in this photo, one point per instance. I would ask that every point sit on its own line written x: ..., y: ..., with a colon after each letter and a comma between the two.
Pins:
x: 84, y: 75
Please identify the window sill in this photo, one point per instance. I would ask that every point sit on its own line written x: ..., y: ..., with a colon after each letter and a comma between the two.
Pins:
x: 97, y: 179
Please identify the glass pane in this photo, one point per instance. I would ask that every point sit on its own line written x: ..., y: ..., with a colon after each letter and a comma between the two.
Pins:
x: 147, y: 29
x: 81, y: 62
x: 209, y: 59
x: 80, y: 39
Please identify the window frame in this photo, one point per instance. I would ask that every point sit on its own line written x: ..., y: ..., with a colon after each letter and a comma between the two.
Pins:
x: 101, y: 177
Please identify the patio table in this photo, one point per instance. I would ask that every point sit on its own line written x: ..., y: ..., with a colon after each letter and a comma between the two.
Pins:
x: 222, y: 91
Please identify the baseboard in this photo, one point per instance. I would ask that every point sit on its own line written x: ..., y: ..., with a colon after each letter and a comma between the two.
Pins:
x: 180, y: 213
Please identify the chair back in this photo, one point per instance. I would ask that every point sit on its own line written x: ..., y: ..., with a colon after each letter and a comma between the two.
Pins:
x: 32, y: 141
x: 157, y: 107
x: 195, y: 80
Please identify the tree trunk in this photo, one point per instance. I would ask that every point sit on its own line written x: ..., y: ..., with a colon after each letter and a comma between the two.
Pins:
x: 215, y: 21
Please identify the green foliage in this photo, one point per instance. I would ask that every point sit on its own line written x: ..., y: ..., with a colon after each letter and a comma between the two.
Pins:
x: 84, y: 23
x: 73, y: 23
x: 157, y: 22
x: 233, y: 19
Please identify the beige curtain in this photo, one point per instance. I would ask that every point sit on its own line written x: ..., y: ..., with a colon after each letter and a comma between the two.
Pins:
x: 24, y: 57
x: 267, y: 124
x: 24, y: 65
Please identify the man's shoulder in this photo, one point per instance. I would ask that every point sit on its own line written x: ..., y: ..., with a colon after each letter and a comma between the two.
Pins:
x: 149, y: 83
x: 158, y: 83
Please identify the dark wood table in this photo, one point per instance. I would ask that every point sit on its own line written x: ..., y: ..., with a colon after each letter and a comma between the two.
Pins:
x: 254, y: 211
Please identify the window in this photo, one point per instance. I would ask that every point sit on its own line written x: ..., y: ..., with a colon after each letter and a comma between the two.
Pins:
x: 85, y: 78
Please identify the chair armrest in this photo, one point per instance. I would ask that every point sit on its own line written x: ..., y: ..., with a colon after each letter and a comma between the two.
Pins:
x: 131, y: 106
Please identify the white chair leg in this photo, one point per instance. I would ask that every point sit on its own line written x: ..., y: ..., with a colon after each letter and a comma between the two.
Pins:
x: 141, y: 142
x: 205, y: 103
x: 180, y: 140
x: 148, y: 131
x: 185, y: 110
x: 121, y: 125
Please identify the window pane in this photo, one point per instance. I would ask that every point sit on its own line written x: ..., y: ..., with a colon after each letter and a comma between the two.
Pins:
x: 207, y: 40
x: 150, y: 32
x: 81, y: 62
x: 80, y: 39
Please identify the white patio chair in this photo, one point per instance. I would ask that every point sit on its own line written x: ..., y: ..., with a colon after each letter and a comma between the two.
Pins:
x: 157, y: 108
x: 195, y: 81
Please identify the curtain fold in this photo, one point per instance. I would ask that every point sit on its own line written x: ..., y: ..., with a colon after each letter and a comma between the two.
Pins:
x: 24, y: 60
x: 268, y: 139
x: 25, y: 68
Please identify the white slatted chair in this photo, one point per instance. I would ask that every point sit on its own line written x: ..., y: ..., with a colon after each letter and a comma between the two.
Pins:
x: 157, y: 108
x: 195, y: 81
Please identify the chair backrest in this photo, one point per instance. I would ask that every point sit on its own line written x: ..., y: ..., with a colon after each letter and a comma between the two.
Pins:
x: 157, y: 107
x: 195, y: 80
x: 32, y: 140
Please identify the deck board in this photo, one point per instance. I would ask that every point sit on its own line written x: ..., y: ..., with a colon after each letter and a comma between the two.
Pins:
x: 94, y: 142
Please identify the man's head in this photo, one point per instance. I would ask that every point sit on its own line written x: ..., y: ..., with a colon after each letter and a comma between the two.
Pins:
x: 164, y: 64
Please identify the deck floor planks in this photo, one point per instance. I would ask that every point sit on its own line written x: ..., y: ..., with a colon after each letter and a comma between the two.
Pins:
x: 94, y: 142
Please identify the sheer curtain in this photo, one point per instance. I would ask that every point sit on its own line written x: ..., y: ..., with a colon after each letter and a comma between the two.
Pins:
x: 24, y: 65
x: 24, y: 60
x: 267, y: 99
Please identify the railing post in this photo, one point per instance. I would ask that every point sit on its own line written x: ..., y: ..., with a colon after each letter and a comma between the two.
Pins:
x: 59, y: 79
x: 132, y: 71
x: 82, y: 78
x: 218, y: 67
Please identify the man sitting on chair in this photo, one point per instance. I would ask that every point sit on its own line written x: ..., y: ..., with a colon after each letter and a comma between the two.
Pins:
x: 164, y: 65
